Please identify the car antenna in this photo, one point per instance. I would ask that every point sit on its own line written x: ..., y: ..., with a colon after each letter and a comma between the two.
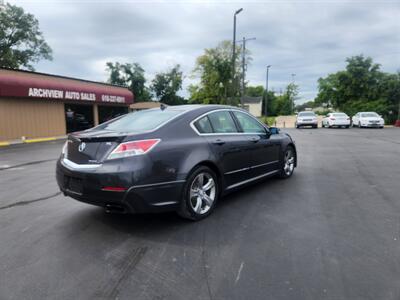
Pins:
x: 163, y: 106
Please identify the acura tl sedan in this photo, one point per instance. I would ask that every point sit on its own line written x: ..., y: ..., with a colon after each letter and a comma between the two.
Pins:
x: 175, y: 158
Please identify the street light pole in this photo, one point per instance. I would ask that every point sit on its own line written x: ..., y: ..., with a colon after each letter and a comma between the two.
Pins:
x: 234, y: 50
x: 266, y: 92
x: 244, y: 66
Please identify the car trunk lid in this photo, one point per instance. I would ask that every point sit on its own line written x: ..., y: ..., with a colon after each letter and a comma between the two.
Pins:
x: 92, y: 147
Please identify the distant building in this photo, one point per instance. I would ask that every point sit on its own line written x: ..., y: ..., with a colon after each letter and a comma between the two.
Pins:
x: 34, y: 105
x: 253, y: 105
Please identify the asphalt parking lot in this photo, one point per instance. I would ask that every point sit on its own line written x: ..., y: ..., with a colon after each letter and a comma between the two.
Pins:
x: 332, y: 231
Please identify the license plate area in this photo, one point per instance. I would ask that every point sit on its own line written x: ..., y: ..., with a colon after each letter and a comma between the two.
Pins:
x: 73, y: 184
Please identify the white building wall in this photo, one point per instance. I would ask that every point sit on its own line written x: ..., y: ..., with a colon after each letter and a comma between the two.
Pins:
x: 255, y: 108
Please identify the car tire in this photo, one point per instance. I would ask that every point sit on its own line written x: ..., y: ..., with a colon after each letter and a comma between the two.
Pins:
x: 199, y: 195
x: 287, y: 167
x: 315, y: 126
x: 347, y: 126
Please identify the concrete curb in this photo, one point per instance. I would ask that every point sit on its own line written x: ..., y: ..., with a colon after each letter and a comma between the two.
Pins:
x: 30, y: 141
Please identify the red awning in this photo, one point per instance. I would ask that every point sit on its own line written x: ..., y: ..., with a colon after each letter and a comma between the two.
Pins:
x: 24, y: 84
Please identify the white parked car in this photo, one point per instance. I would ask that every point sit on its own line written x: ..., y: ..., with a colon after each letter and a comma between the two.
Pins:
x: 368, y: 119
x: 306, y: 118
x: 336, y: 119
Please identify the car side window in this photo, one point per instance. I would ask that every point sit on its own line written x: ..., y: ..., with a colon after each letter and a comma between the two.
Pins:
x: 203, y: 125
x: 248, y: 123
x: 222, y: 122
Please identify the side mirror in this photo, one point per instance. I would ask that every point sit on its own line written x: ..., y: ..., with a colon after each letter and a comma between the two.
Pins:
x: 274, y: 130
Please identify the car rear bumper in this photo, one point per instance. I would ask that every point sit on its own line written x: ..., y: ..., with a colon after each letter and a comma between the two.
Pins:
x: 343, y: 123
x: 310, y: 123
x: 87, y: 186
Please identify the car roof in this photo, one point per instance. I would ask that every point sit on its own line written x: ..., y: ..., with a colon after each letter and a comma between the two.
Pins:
x: 193, y: 107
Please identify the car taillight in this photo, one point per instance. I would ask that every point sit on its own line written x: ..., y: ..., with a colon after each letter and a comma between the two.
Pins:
x: 133, y: 148
x: 114, y: 189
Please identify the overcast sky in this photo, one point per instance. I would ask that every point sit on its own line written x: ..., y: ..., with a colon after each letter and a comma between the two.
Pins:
x: 306, y: 38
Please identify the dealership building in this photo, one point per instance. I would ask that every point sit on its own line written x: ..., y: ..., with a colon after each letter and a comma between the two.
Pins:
x: 36, y: 105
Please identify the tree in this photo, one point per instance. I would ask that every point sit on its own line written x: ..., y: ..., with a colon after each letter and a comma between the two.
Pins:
x: 21, y: 41
x: 130, y: 76
x: 166, y: 85
x: 303, y: 106
x: 214, y: 68
x: 360, y: 87
x: 285, y: 103
x: 255, y: 91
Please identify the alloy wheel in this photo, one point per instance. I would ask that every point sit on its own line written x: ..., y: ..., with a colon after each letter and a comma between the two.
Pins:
x: 202, y: 193
x: 289, y: 162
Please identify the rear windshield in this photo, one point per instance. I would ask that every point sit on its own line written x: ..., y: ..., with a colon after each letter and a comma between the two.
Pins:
x: 340, y: 115
x: 140, y: 121
x: 306, y: 114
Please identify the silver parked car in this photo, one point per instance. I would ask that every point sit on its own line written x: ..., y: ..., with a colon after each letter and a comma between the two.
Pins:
x: 306, y: 118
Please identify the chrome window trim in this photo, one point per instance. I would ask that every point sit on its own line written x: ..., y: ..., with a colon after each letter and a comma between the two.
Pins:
x: 251, y: 179
x: 74, y: 166
x: 226, y: 133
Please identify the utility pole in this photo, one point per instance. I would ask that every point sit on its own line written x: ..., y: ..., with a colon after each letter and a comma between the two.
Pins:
x: 234, y: 52
x: 266, y: 92
x: 293, y: 75
x: 244, y: 67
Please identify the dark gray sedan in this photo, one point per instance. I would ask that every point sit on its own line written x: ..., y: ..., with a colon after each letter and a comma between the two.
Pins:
x: 179, y: 158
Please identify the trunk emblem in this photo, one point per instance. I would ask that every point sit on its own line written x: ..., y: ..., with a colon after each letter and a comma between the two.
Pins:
x: 82, y: 147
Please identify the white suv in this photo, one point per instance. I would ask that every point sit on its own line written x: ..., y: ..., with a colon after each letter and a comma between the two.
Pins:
x: 306, y: 118
x: 368, y: 119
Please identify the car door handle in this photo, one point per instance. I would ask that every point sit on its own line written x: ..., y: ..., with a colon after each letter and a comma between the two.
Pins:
x: 255, y: 139
x: 218, y: 142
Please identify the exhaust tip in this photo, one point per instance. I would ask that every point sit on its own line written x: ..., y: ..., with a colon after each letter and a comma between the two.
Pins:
x: 115, y: 208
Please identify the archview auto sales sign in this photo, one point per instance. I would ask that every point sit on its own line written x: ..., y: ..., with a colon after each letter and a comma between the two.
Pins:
x: 73, y: 95
x: 22, y: 84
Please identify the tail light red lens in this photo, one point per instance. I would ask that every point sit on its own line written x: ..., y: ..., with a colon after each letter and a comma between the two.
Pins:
x: 133, y: 148
x: 113, y: 189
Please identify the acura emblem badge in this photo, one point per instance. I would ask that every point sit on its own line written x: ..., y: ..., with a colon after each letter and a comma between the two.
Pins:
x: 82, y: 147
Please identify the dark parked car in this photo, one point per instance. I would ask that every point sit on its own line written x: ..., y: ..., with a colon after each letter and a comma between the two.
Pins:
x: 181, y: 158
